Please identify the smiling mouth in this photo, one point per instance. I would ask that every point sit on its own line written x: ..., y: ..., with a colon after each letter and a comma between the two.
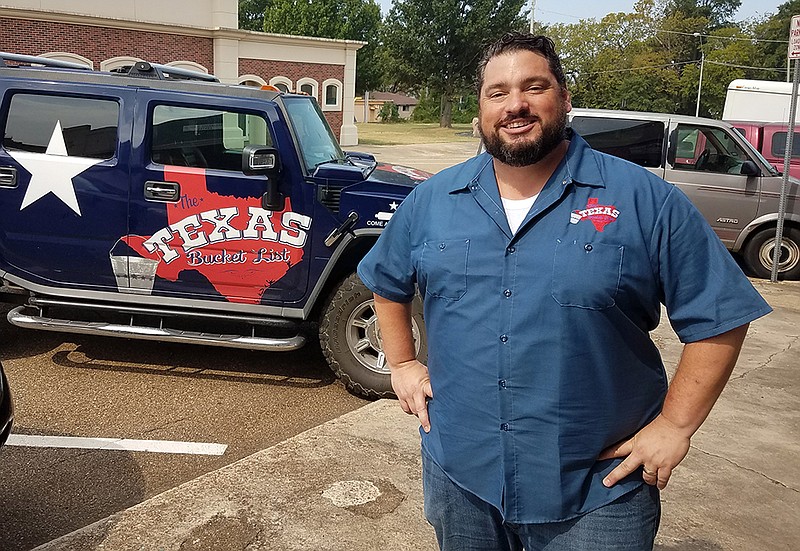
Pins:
x: 516, y: 124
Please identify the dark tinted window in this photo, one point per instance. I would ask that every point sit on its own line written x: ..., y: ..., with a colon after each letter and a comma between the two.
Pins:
x: 779, y: 144
x: 640, y: 142
x: 89, y: 126
x: 204, y: 138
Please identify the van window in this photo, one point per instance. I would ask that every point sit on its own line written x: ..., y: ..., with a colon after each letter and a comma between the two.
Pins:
x: 88, y: 125
x: 779, y: 144
x: 204, y: 138
x: 706, y: 149
x: 638, y: 141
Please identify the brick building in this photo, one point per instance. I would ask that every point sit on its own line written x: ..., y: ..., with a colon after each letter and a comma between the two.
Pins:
x: 200, y: 35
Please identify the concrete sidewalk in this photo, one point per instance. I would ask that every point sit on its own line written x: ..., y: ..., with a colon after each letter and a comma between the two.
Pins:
x: 354, y: 482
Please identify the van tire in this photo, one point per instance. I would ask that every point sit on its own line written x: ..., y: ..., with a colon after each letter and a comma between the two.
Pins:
x: 350, y: 339
x: 758, y: 253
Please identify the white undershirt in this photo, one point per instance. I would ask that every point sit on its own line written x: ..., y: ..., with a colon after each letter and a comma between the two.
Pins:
x: 517, y: 210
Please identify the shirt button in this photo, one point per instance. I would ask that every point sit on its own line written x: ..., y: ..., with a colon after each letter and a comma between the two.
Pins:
x: 511, y: 250
x: 588, y: 247
x: 503, y: 338
x: 442, y: 246
x: 507, y: 293
x: 504, y: 427
x: 503, y: 384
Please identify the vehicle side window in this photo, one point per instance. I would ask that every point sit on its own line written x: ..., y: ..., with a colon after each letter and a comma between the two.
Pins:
x: 778, y: 148
x: 204, y: 138
x: 638, y: 141
x: 88, y: 125
x: 706, y: 149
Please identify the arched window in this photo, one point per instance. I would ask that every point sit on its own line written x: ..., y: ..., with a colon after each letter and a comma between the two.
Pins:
x: 252, y: 80
x: 117, y: 63
x: 72, y: 58
x: 281, y: 83
x: 188, y: 65
x: 308, y: 86
x: 332, y: 95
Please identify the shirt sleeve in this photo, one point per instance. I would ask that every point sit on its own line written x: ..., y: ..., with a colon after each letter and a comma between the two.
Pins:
x: 387, y: 269
x: 704, y: 290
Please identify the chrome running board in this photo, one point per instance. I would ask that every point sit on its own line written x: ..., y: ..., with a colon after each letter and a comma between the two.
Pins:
x: 20, y: 319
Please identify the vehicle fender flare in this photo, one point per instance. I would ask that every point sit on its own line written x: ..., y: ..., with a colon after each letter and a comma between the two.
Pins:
x: 348, y: 241
x: 759, y: 223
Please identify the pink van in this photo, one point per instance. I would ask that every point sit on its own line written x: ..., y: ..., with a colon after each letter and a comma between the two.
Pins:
x: 770, y: 140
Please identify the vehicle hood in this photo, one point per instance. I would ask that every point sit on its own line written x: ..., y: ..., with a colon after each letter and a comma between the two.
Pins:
x: 388, y: 173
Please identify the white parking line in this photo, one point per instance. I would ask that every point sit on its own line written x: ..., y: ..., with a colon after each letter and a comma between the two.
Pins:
x: 117, y: 444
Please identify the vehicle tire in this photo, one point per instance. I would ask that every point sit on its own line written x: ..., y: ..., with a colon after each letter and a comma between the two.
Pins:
x: 351, y: 339
x: 758, y: 253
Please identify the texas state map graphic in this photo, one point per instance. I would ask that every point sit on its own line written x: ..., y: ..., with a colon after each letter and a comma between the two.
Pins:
x: 239, y: 247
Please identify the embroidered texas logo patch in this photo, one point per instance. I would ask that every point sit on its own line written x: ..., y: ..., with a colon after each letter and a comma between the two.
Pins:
x: 599, y: 215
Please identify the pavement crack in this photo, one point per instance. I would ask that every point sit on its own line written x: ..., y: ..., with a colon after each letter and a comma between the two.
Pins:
x: 754, y: 471
x: 789, y: 346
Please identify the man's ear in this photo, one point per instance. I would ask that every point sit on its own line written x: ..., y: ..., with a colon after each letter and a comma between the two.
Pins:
x: 567, y: 100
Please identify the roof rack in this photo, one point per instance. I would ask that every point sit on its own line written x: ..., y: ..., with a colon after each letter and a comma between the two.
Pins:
x: 165, y: 72
x: 37, y: 60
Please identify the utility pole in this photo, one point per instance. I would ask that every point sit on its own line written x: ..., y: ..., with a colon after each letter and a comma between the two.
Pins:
x: 700, y: 80
x: 533, y: 8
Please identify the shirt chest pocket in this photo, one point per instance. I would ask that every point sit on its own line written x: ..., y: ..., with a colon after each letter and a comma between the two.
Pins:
x: 586, y: 275
x: 444, y: 268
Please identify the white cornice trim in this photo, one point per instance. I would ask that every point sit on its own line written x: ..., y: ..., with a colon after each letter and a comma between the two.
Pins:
x: 94, y: 21
x: 202, y: 32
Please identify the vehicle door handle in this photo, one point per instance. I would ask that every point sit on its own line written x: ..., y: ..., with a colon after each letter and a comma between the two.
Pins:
x: 8, y: 176
x: 162, y: 191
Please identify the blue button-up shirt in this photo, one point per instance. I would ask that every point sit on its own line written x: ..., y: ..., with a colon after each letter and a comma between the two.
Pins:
x: 538, y: 342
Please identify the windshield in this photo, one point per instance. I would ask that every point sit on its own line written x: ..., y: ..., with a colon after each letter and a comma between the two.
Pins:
x: 317, y: 143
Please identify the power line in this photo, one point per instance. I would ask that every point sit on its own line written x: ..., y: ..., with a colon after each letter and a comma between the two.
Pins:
x: 675, y: 64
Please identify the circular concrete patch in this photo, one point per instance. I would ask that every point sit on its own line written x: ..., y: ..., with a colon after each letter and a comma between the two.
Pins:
x: 349, y: 493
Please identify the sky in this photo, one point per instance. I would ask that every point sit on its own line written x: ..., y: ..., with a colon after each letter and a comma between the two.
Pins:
x: 558, y: 11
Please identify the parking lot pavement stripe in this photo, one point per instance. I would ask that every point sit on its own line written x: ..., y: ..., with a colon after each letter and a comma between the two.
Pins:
x: 117, y: 444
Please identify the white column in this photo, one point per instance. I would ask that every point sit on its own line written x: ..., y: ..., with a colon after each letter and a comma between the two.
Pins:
x: 225, y: 14
x: 226, y: 60
x: 349, y: 133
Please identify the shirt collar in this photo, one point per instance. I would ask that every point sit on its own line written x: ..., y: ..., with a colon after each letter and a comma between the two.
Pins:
x: 581, y: 164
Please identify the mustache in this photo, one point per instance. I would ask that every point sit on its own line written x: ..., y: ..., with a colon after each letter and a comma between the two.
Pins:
x: 511, y: 117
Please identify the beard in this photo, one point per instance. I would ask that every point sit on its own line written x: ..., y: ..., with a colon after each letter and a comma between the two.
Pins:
x: 526, y: 152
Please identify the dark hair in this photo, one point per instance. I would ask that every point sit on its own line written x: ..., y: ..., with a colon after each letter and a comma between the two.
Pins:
x: 515, y: 41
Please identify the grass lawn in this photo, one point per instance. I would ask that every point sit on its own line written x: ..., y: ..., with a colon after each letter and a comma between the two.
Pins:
x: 379, y: 133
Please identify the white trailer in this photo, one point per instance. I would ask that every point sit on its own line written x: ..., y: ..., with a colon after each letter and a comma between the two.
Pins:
x: 758, y: 101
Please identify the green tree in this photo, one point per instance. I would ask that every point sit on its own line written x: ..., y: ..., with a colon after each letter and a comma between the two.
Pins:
x: 438, y: 43
x: 251, y: 14
x: 389, y: 112
x: 342, y: 19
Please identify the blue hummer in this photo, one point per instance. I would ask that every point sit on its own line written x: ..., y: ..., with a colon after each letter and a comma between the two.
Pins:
x: 156, y: 203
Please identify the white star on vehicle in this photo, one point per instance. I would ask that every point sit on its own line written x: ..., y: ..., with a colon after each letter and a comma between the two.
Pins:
x: 52, y: 171
x: 393, y: 205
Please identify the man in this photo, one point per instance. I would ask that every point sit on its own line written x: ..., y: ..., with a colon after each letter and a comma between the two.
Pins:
x: 547, y: 420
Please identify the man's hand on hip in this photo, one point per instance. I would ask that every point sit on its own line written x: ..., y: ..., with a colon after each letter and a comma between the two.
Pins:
x: 657, y: 448
x: 411, y: 383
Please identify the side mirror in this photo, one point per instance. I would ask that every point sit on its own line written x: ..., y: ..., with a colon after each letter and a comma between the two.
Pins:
x: 262, y: 160
x: 257, y: 159
x: 750, y: 168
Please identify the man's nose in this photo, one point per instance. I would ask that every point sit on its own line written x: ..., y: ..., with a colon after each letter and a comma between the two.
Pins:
x: 516, y: 101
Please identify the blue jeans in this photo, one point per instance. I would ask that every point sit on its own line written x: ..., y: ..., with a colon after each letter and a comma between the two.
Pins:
x: 464, y: 522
